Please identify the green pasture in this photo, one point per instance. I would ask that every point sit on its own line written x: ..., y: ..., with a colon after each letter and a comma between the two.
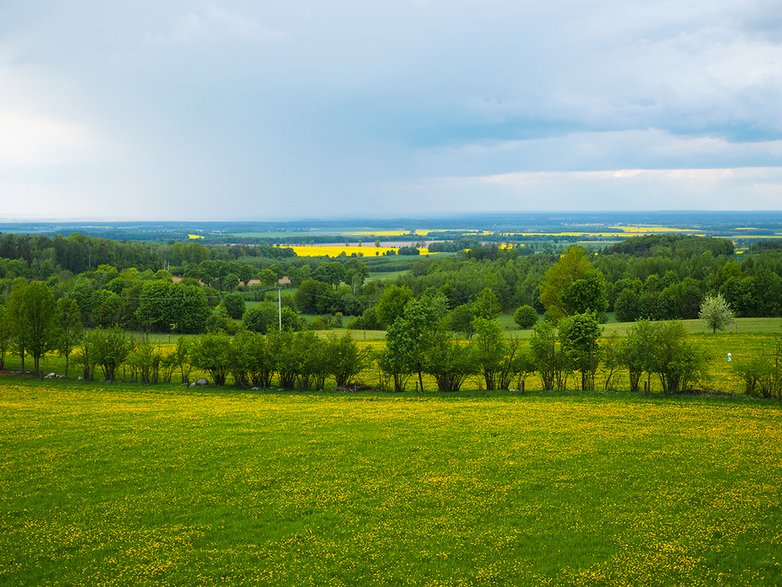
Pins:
x: 387, y: 275
x: 129, y: 485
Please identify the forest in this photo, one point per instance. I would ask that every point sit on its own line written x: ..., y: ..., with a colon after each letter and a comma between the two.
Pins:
x: 98, y: 300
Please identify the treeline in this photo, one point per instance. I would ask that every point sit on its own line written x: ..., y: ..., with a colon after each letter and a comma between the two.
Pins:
x: 654, y: 277
x: 571, y: 354
x: 41, y: 257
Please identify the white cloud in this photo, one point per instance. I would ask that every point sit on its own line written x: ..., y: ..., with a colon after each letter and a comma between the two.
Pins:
x: 28, y: 139
x: 215, y: 25
x: 616, y: 189
x: 34, y: 131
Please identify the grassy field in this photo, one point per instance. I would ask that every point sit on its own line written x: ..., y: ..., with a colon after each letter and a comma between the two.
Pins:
x: 129, y: 485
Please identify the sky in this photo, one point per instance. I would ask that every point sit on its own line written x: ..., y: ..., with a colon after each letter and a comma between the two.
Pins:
x: 267, y: 109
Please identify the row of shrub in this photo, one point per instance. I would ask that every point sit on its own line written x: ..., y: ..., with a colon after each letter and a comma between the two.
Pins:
x: 558, y: 355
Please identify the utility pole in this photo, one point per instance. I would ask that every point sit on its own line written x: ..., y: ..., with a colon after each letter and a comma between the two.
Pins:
x: 279, y: 305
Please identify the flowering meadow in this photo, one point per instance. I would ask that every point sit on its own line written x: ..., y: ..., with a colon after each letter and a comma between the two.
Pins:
x: 127, y: 484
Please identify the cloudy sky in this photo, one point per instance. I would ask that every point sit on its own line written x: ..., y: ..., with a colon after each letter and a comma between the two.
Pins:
x: 265, y: 109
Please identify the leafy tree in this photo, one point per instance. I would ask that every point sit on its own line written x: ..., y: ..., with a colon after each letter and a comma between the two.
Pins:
x: 525, y: 317
x: 220, y: 321
x: 261, y: 361
x: 69, y: 328
x: 315, y: 360
x: 181, y: 360
x: 261, y: 318
x: 628, y: 305
x: 234, y: 305
x: 346, y: 359
x: 394, y: 365
x: 316, y: 297
x: 109, y: 348
x: 145, y: 359
x: 636, y: 352
x: 762, y: 374
x: 5, y: 334
x: 609, y: 350
x: 587, y: 294
x: 241, y: 357
x: 460, y: 319
x: 716, y: 312
x: 410, y: 336
x: 448, y: 362
x: 547, y: 355
x: 579, y: 335
x: 497, y: 358
x: 108, y: 309
x: 286, y: 357
x: 571, y: 266
x: 486, y: 305
x: 330, y: 272
x: 32, y: 313
x: 212, y: 353
x: 675, y: 361
x: 166, y: 306
x: 265, y: 317
x: 392, y: 302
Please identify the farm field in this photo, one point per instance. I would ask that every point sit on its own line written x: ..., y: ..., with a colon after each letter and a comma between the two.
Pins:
x: 335, y: 250
x: 130, y: 485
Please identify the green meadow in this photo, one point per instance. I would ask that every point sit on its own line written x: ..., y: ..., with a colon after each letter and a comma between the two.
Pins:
x: 128, y: 484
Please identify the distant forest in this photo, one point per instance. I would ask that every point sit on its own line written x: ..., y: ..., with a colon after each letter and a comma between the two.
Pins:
x: 656, y: 277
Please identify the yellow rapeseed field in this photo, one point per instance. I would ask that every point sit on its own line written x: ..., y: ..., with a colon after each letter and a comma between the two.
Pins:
x: 367, y: 250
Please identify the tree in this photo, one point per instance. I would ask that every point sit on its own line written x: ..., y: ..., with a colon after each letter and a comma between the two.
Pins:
x: 525, y: 317
x: 234, y: 305
x: 345, y: 359
x: 145, y: 359
x: 69, y: 328
x: 392, y: 302
x: 579, y: 335
x: 181, y: 358
x: 460, y: 319
x: 492, y: 354
x: 393, y: 363
x: 241, y: 357
x: 547, y: 355
x: 448, y: 362
x: 588, y: 294
x: 315, y: 297
x: 572, y: 265
x: 410, y: 336
x: 486, y: 304
x: 573, y: 286
x: 261, y: 318
x: 32, y: 311
x: 5, y: 335
x: 315, y: 360
x: 716, y: 312
x: 109, y: 348
x: 212, y: 353
x: 264, y: 318
x: 636, y: 352
x: 675, y: 361
x: 185, y: 307
x: 628, y: 305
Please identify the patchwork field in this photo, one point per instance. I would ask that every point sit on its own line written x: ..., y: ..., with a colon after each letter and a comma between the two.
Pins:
x: 125, y: 484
